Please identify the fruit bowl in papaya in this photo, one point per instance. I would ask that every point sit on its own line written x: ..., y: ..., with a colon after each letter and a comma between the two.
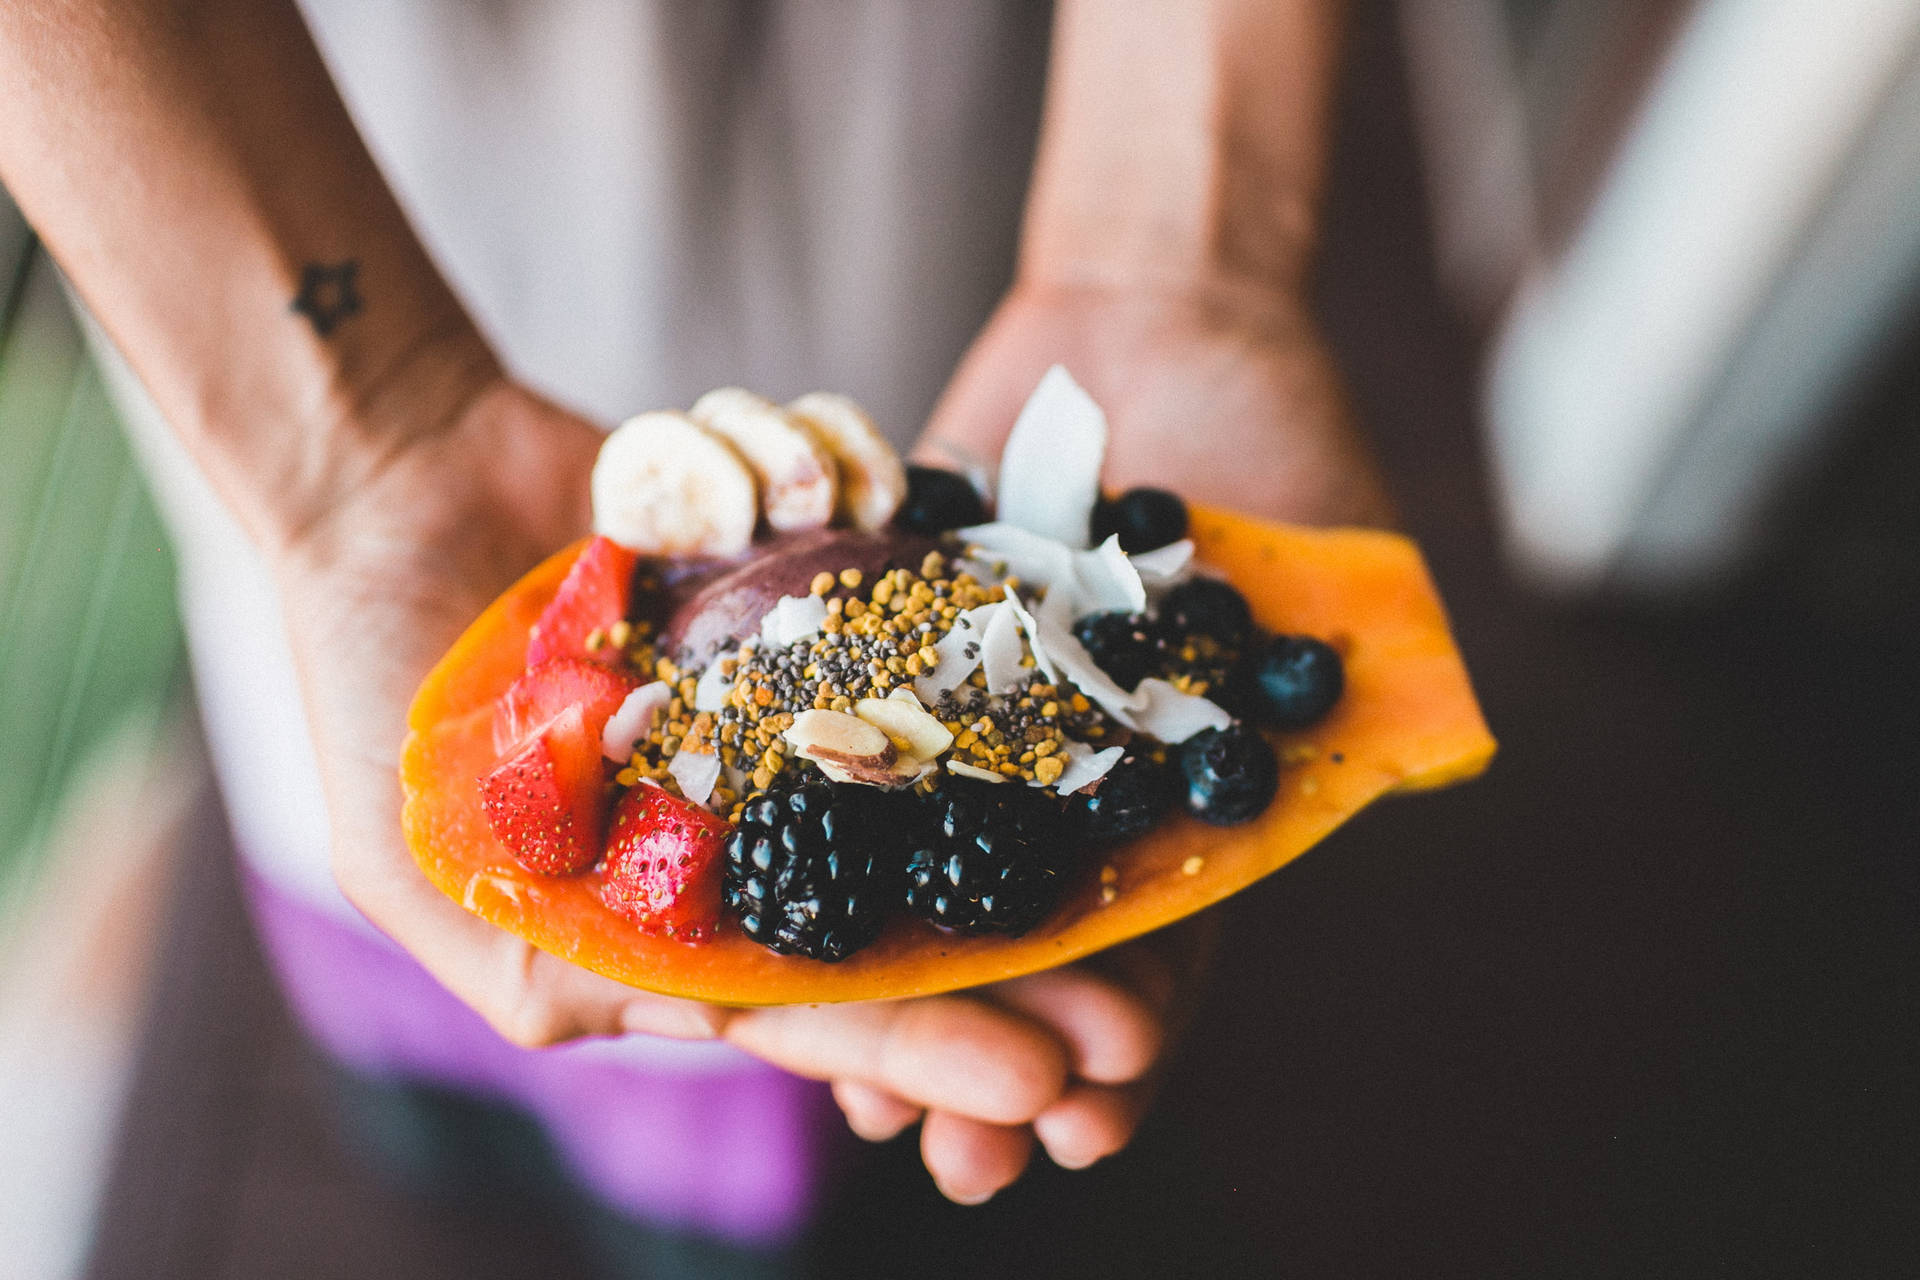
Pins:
x: 1408, y: 720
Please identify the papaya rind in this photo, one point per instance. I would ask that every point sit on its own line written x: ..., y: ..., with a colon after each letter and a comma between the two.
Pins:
x: 1408, y: 721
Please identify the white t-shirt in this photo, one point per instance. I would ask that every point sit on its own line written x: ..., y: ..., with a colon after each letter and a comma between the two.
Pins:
x: 638, y: 202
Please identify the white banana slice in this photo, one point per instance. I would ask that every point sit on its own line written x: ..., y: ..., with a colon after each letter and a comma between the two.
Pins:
x: 873, y: 480
x: 664, y: 485
x: 796, y: 473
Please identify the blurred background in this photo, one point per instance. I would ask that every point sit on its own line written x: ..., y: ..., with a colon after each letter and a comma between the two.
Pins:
x: 1629, y: 293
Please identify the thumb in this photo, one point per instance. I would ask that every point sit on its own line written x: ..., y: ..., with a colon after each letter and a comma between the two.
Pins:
x: 970, y: 423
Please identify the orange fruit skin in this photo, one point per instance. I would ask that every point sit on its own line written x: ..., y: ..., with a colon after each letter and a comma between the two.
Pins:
x: 1408, y: 721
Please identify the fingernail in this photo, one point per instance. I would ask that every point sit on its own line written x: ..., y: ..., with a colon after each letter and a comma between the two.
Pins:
x: 980, y: 1198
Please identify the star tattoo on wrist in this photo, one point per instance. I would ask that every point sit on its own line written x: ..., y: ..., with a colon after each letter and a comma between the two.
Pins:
x: 329, y: 294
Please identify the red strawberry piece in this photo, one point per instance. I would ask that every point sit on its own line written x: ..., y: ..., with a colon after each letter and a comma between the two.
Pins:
x: 547, y: 802
x: 543, y: 692
x: 663, y: 864
x: 592, y: 597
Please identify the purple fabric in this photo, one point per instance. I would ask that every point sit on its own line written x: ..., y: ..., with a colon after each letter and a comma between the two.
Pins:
x: 736, y: 1148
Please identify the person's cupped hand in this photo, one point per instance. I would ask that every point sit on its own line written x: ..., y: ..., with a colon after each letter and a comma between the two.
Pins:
x: 375, y: 590
x: 1224, y: 394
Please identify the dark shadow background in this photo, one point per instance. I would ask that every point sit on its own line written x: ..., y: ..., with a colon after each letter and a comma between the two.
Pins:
x: 1639, y: 1003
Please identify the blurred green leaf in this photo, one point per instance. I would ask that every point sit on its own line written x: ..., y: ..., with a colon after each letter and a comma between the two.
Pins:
x: 89, y: 636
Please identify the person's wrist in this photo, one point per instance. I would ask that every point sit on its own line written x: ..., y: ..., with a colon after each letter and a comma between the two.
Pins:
x: 364, y: 427
x: 1189, y: 142
x: 1215, y: 254
x: 1269, y: 308
x: 497, y: 482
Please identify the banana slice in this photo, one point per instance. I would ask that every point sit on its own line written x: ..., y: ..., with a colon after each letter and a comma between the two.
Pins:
x: 873, y: 480
x: 796, y: 473
x: 664, y: 485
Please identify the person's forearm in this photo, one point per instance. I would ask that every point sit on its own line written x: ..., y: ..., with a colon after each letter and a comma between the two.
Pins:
x: 189, y: 165
x: 1182, y: 143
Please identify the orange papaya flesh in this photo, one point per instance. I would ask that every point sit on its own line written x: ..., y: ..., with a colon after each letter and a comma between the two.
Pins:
x: 1407, y: 721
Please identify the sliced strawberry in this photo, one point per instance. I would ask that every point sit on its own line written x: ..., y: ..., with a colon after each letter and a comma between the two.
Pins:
x: 663, y: 864
x: 543, y: 692
x: 548, y: 801
x: 592, y: 598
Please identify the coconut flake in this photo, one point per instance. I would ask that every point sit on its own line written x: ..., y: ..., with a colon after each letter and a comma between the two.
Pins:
x: 1000, y: 652
x: 1085, y: 766
x: 634, y: 720
x: 1164, y: 566
x: 1038, y: 561
x: 696, y: 772
x: 1066, y: 660
x: 711, y: 690
x: 791, y: 620
x: 1170, y: 715
x: 1074, y: 582
x: 1050, y: 467
x: 957, y: 653
x: 1028, y: 624
x: 1106, y: 579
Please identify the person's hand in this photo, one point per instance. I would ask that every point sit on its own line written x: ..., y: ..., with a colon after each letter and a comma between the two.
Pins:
x: 1226, y: 397
x: 1223, y: 393
x: 375, y: 590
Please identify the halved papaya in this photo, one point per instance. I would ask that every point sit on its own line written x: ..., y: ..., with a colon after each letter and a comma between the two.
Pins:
x: 1407, y: 721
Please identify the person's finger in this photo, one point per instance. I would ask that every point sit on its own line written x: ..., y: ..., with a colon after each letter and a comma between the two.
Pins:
x: 950, y: 1053
x: 970, y: 1161
x: 873, y: 1114
x: 1112, y: 1033
x: 531, y: 998
x: 1091, y: 1122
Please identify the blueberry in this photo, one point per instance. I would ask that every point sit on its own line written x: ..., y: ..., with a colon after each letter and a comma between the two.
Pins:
x: 1231, y: 774
x: 1295, y: 681
x: 1208, y: 607
x: 937, y: 501
x: 1127, y: 646
x: 1144, y: 519
x: 1134, y: 795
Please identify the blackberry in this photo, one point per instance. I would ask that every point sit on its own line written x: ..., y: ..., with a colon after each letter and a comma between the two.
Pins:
x: 1231, y: 774
x: 1127, y: 646
x: 1144, y: 519
x: 1294, y: 681
x: 1208, y: 607
x: 937, y: 501
x: 1133, y: 796
x: 811, y: 869
x: 989, y: 859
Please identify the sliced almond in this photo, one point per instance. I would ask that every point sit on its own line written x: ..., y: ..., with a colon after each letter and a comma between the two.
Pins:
x: 912, y: 729
x: 904, y: 773
x: 845, y: 747
x: 796, y: 472
x: 873, y: 480
x: 968, y: 771
x: 663, y: 485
